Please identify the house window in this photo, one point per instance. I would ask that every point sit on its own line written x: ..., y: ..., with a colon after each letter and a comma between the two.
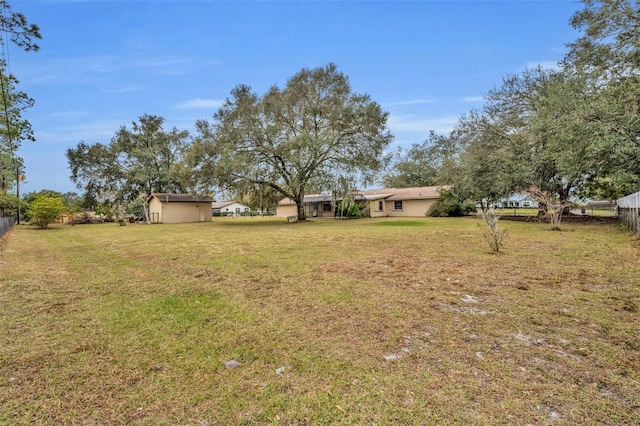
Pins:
x: 246, y: 209
x: 326, y: 207
x: 237, y: 209
x: 397, y: 205
x: 380, y: 206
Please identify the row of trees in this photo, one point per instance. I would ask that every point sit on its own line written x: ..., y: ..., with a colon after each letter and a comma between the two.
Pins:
x: 312, y: 134
x: 559, y: 133
x: 16, y: 30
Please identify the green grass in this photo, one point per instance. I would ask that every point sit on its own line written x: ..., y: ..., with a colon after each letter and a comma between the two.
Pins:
x: 371, y: 321
x: 403, y: 223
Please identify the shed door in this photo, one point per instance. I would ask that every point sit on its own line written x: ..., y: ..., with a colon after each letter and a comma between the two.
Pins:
x: 203, y: 213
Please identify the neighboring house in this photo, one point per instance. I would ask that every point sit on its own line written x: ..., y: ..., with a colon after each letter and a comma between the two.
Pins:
x: 179, y: 208
x: 391, y: 202
x: 229, y: 208
x: 522, y: 200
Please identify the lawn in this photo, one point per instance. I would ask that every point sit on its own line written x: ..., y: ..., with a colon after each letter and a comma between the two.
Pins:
x: 255, y: 321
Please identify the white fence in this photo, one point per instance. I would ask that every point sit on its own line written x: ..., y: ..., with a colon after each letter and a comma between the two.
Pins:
x: 629, y: 211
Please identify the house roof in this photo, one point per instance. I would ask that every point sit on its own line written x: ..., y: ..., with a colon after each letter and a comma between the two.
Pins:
x: 221, y: 204
x: 418, y: 193
x: 180, y: 198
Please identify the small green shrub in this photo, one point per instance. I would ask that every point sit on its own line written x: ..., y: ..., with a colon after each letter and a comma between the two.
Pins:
x: 46, y: 209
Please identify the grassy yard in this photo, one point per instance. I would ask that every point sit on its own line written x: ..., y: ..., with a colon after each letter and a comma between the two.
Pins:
x: 372, y: 321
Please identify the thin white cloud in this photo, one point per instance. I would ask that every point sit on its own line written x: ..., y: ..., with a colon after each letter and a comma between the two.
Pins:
x: 89, y: 132
x: 200, y: 103
x: 112, y: 63
x: 473, y: 99
x: 90, y: 69
x: 68, y: 114
x: 407, y: 102
x: 122, y: 89
x: 411, y: 124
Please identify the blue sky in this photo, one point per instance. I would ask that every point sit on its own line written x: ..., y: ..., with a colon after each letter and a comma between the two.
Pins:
x: 103, y: 64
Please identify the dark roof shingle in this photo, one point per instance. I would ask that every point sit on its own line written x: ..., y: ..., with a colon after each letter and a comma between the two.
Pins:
x: 182, y: 198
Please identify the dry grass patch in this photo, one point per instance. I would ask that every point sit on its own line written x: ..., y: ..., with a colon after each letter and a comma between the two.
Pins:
x: 349, y: 322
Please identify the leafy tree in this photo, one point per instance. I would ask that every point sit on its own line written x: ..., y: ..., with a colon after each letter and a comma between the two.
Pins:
x: 261, y: 198
x: 608, y: 45
x: 534, y: 132
x: 607, y: 54
x: 487, y: 169
x: 19, y: 30
x: 13, y: 128
x: 45, y: 209
x: 304, y: 135
x: 73, y: 202
x: 140, y: 160
x: 412, y: 168
x: 424, y: 164
x: 8, y: 204
x: 32, y: 196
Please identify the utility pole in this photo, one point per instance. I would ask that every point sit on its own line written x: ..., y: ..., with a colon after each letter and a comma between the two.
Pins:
x: 18, y: 178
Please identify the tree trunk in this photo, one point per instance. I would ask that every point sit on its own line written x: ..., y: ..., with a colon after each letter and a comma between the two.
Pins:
x: 300, y: 207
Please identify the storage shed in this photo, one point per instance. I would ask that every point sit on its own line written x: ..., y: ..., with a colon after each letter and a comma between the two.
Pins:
x: 179, y: 208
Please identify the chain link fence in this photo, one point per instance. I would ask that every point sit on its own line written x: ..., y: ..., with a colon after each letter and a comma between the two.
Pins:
x: 6, y: 223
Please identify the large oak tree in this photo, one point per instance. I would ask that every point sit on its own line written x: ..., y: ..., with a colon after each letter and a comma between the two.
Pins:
x: 608, y: 54
x: 308, y: 134
x: 144, y: 159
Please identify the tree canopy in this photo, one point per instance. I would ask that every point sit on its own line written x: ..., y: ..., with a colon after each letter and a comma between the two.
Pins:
x: 424, y: 164
x: 571, y: 132
x: 14, y: 28
x: 138, y: 161
x: 607, y: 54
x: 309, y: 133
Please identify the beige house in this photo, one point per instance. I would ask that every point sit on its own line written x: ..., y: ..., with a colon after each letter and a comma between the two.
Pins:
x: 179, y: 208
x: 388, y: 202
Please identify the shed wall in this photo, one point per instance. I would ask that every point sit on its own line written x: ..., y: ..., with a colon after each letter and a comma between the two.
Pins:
x: 177, y: 212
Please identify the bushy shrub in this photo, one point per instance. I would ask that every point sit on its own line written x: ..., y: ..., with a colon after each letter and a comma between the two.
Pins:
x: 449, y: 204
x: 437, y: 209
x: 9, y: 204
x: 46, y: 209
x: 348, y: 208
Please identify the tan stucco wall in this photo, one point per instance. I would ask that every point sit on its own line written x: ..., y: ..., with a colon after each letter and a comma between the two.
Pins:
x: 375, y: 212
x: 410, y: 208
x: 176, y: 212
x: 287, y: 210
x: 155, y: 209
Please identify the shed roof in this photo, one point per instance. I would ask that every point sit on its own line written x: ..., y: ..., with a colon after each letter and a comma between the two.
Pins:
x: 180, y: 198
